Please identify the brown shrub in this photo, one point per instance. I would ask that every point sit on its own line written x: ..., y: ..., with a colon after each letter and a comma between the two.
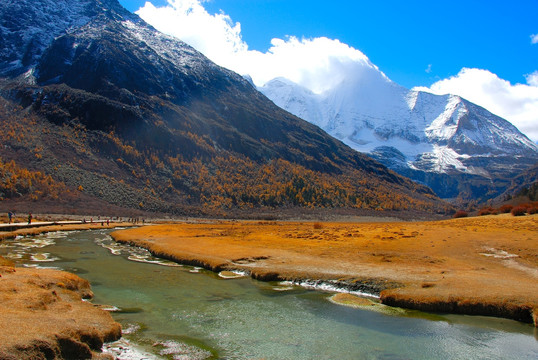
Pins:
x: 488, y: 211
x: 505, y: 209
x: 519, y: 210
x: 533, y: 210
x: 460, y: 214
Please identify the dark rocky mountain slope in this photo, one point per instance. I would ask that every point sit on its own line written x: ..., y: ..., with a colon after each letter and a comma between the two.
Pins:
x: 117, y: 112
x: 523, y: 187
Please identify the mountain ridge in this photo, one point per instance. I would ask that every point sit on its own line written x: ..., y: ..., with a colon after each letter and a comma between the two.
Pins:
x: 417, y: 134
x: 114, y: 104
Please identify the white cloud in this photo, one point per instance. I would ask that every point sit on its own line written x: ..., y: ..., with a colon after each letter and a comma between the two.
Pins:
x: 321, y: 63
x: 317, y: 64
x: 534, y: 39
x: 189, y: 21
x: 532, y: 79
x: 517, y: 103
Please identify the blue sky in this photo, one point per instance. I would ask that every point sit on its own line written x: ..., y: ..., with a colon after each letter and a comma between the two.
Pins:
x: 401, y: 37
x: 485, y: 51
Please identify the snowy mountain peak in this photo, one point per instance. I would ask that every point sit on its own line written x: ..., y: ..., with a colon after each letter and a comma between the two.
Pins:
x: 27, y: 28
x: 409, y: 131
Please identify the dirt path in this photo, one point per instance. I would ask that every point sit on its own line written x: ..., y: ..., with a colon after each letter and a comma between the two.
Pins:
x: 486, y: 265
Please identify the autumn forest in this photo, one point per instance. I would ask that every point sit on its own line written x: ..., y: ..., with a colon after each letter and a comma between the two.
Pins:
x: 65, y: 161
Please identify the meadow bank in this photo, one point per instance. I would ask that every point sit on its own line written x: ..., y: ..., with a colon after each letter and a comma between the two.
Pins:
x: 479, y: 266
x: 44, y: 309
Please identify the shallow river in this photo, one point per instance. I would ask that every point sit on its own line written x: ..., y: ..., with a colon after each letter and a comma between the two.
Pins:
x: 177, y: 312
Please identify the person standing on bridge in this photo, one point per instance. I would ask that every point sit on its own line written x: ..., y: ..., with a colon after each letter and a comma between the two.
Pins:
x: 10, y: 216
x: 29, y: 218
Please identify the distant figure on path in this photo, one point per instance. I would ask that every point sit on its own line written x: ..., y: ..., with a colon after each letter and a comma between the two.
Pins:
x: 29, y: 218
x: 10, y: 216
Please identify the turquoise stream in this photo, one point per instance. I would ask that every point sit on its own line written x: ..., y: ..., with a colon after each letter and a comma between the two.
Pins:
x: 177, y: 312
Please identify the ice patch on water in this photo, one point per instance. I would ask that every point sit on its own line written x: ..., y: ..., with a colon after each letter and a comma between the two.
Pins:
x: 137, y: 254
x: 284, y: 286
x: 123, y: 349
x: 234, y: 274
x: 58, y: 234
x: 151, y: 260
x: 332, y: 287
x: 37, y: 266
x: 43, y: 257
x: 111, y: 308
x: 114, y: 249
x: 180, y: 351
x: 110, y: 245
x: 35, y: 243
x: 130, y: 329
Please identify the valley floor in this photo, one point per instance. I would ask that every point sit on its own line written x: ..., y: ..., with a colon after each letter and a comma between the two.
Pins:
x: 484, y: 265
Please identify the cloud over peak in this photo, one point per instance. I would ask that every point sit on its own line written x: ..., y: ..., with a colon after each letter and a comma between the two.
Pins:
x: 320, y: 63
x: 317, y: 64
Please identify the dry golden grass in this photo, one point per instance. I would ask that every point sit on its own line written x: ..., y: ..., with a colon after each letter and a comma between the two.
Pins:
x: 42, y: 312
x: 43, y: 316
x: 486, y: 265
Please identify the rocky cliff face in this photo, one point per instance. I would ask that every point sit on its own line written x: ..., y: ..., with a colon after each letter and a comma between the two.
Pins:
x: 107, y: 102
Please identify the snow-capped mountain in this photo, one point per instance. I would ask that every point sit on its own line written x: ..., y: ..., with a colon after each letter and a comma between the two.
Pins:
x: 425, y: 136
x: 27, y: 28
x: 140, y: 119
